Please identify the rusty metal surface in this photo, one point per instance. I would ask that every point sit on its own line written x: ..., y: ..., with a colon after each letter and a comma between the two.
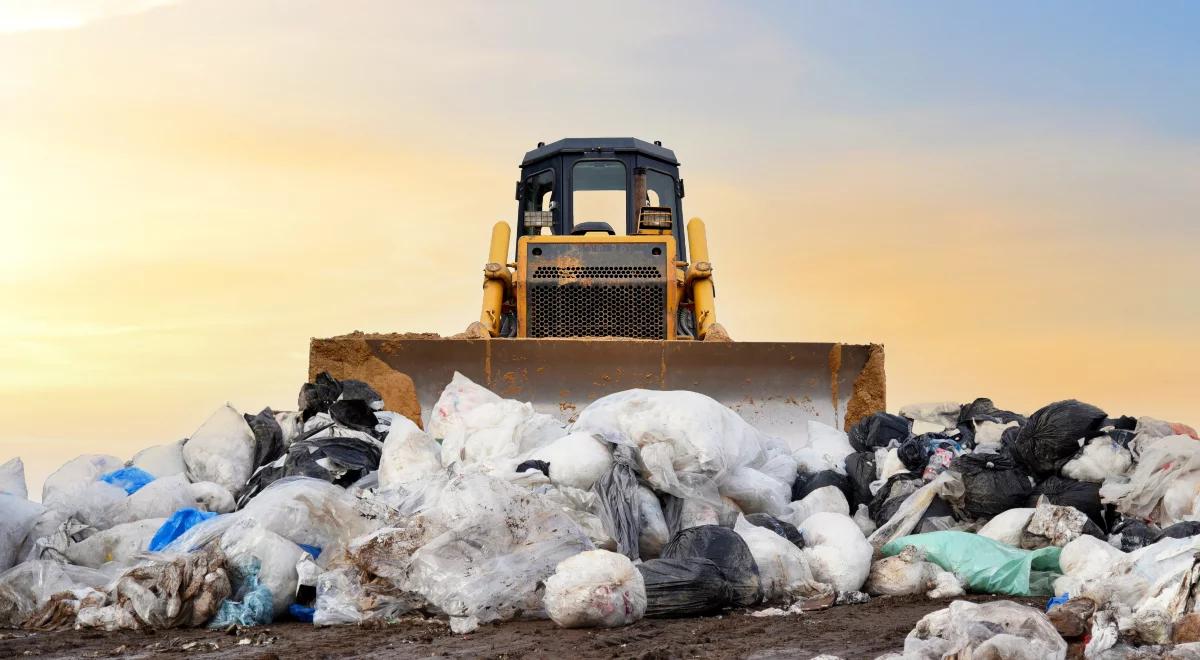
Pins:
x: 776, y: 386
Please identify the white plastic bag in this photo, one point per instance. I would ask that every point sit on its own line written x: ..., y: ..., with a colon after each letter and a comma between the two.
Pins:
x: 17, y: 518
x: 836, y: 550
x: 1160, y: 467
x: 476, y: 425
x: 1102, y: 459
x: 576, y: 459
x: 277, y: 557
x: 782, y: 568
x: 120, y: 544
x: 28, y: 586
x: 409, y: 455
x: 903, y: 574
x: 1087, y: 557
x: 162, y: 497
x: 1007, y: 527
x: 161, y: 460
x: 654, y: 534
x: 754, y: 491
x: 942, y: 414
x: 1001, y: 629
x: 221, y: 450
x: 12, y: 478
x: 63, y: 488
x: 826, y: 499
x: 595, y: 589
x: 825, y: 448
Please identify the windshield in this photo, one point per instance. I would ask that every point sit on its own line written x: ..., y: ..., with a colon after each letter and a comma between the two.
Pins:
x: 598, y: 193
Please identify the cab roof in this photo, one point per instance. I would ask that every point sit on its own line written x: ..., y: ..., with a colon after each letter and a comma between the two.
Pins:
x: 584, y: 145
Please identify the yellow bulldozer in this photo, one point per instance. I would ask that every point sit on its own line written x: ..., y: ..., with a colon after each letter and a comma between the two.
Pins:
x: 607, y: 289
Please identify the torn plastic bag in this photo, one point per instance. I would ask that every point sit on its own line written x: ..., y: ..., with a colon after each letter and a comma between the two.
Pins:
x: 595, y: 589
x: 161, y: 460
x: 250, y: 604
x: 346, y: 595
x: 785, y: 529
x: 756, y: 492
x: 947, y: 486
x: 1056, y: 525
x: 12, y: 478
x: 1064, y: 491
x: 577, y: 460
x: 174, y: 527
x: 409, y: 455
x: 332, y: 454
x: 121, y: 544
x: 1000, y: 629
x: 221, y: 450
x: 806, y: 483
x: 619, y: 507
x: 860, y: 472
x: 17, y: 519
x: 29, y: 586
x: 63, y: 490
x: 823, y: 500
x: 1169, y: 464
x: 475, y: 425
x: 825, y: 448
x: 878, y: 431
x: 1101, y: 459
x: 164, y: 591
x: 583, y: 507
x: 984, y: 565
x: 1055, y: 433
x: 836, y: 550
x: 1131, y: 534
x: 654, y: 533
x: 684, y: 587
x: 782, y: 568
x: 1008, y: 526
x: 725, y: 548
x: 895, y: 491
x: 249, y: 546
x: 906, y: 574
x: 317, y: 396
x: 993, y: 484
x: 1154, y: 582
x: 356, y: 415
x: 268, y: 436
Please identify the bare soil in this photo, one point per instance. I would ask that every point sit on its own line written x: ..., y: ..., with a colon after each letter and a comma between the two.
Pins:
x: 849, y: 631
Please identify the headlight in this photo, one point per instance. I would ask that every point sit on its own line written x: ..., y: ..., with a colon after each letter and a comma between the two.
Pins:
x: 539, y: 219
x: 655, y: 217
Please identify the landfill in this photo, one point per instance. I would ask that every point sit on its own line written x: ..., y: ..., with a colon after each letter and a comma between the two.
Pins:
x: 649, y: 504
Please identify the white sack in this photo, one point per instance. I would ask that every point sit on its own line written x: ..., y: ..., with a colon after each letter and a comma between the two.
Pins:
x: 942, y: 414
x: 826, y: 499
x: 221, y: 450
x: 576, y: 459
x: 476, y: 425
x: 825, y: 448
x: 277, y: 557
x: 782, y: 568
x: 62, y: 489
x: 1008, y: 526
x: 17, y: 517
x: 595, y: 589
x: 753, y: 491
x: 836, y: 551
x: 120, y: 544
x: 162, y: 497
x: 12, y: 478
x: 904, y: 574
x: 654, y: 534
x: 161, y: 460
x: 409, y: 455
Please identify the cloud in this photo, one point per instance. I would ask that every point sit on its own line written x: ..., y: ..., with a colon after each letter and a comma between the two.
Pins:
x: 32, y: 15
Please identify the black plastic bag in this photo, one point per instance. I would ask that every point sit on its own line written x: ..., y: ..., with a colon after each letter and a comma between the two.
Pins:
x: 1053, y: 434
x: 1064, y: 491
x: 541, y: 466
x: 317, y: 396
x: 983, y: 410
x: 1182, y: 530
x: 785, y: 529
x: 684, y: 587
x: 1122, y: 423
x: 807, y: 483
x: 1134, y: 534
x: 617, y: 490
x: 914, y: 454
x: 879, y: 430
x: 354, y: 414
x: 728, y: 551
x: 994, y: 483
x: 338, y: 460
x: 893, y: 493
x: 268, y: 437
x: 860, y: 473
x: 360, y: 391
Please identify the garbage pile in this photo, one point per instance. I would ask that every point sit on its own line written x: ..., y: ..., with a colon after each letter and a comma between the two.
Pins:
x: 649, y: 504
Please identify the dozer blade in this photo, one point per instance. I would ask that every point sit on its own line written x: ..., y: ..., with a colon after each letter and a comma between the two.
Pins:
x: 777, y: 387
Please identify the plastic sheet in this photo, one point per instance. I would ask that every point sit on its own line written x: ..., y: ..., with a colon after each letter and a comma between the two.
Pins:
x: 984, y: 565
x: 595, y: 589
x: 174, y: 527
x: 28, y: 586
x: 1001, y: 629
x: 619, y: 506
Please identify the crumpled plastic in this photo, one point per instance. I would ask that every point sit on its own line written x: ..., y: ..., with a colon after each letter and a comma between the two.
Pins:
x: 30, y: 585
x: 250, y: 605
x: 1000, y: 629
x: 984, y: 565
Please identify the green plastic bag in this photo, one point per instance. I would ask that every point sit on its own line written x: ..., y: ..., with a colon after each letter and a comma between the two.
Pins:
x: 987, y: 566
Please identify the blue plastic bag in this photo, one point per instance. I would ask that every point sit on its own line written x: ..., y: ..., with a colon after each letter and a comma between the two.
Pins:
x: 174, y: 527
x: 302, y: 613
x: 129, y: 478
x: 1057, y: 600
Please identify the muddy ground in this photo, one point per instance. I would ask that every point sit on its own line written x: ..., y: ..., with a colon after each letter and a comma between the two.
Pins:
x: 849, y: 631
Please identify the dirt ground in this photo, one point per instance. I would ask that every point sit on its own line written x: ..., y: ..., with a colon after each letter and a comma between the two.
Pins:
x: 849, y: 631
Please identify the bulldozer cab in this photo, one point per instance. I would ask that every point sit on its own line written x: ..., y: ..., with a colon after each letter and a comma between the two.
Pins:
x: 618, y: 186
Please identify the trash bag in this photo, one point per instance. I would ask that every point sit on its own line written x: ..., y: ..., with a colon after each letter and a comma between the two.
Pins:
x: 780, y: 527
x: 906, y: 574
x: 684, y: 587
x: 121, y: 544
x: 756, y: 492
x: 1162, y: 484
x: 1064, y: 491
x: 993, y: 483
x: 274, y: 561
x: 28, y: 586
x: 914, y: 453
x: 1055, y: 433
x: 476, y: 425
x: 654, y: 533
x: 595, y: 589
x: 250, y: 604
x: 317, y: 396
x: 984, y: 565
x: 63, y: 490
x: 540, y: 466
x: 354, y: 414
x: 409, y: 455
x: 1131, y: 534
x: 161, y: 460
x: 1101, y: 459
x: 805, y: 484
x: 879, y: 430
x: 579, y: 459
x: 894, y: 491
x: 1182, y: 530
x: 1008, y: 527
x: 620, y: 510
x: 17, y: 519
x: 725, y: 548
x: 782, y: 568
x: 824, y: 448
x: 268, y: 436
x: 1000, y: 629
x: 12, y: 478
x: 346, y: 596
x: 837, y: 552
x: 221, y: 450
x: 331, y: 454
x: 162, y: 497
x: 860, y: 473
x: 173, y: 527
x: 823, y: 500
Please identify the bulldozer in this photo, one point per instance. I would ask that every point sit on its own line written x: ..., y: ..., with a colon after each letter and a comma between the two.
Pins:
x: 607, y: 289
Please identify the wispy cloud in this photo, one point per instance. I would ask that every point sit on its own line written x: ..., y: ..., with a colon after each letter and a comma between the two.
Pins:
x: 31, y: 15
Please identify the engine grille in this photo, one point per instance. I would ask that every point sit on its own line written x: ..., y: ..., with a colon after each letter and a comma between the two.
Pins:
x: 618, y: 291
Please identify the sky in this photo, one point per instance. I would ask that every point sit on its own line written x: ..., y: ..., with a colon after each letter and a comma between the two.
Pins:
x: 1004, y: 194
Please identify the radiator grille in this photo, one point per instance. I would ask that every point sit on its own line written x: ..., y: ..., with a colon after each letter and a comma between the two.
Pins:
x: 598, y: 310
x: 607, y: 272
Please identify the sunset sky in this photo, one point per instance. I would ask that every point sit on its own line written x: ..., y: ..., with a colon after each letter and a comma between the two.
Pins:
x: 1008, y: 197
